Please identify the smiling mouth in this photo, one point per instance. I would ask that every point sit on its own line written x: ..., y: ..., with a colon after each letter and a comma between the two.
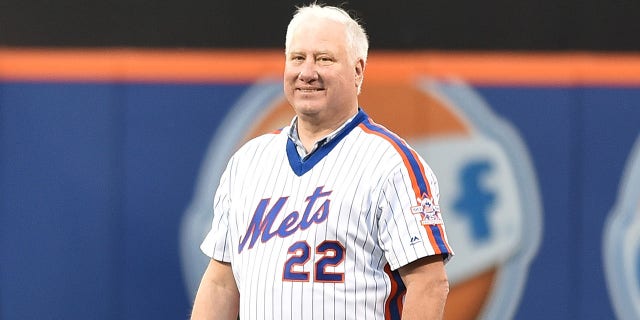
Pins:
x: 309, y: 89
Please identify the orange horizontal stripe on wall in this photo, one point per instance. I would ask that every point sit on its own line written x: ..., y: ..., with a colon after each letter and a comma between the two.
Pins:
x: 515, y: 68
x: 137, y: 65
x: 581, y: 68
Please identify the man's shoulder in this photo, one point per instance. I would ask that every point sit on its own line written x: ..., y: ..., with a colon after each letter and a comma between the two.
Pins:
x: 386, y: 144
x: 385, y: 137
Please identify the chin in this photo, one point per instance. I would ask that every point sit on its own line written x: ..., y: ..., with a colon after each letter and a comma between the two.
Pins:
x: 307, y: 109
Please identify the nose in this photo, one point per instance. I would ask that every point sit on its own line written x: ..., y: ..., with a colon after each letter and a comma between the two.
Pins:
x: 308, y: 72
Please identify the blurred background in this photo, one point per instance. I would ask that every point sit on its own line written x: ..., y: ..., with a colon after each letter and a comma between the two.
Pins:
x: 117, y: 117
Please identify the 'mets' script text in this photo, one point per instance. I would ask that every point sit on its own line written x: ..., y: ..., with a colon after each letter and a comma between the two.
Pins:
x: 262, y: 226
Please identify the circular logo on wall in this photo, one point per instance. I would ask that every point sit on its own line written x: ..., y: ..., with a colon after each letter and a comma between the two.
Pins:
x: 621, y: 243
x: 488, y: 191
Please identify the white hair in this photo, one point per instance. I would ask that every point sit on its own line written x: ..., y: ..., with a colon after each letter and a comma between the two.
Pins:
x: 357, y: 42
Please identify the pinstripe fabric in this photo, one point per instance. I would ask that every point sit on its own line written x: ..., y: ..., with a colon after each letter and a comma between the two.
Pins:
x: 312, y: 239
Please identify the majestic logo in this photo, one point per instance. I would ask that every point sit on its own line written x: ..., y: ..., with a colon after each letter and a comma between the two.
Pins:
x: 428, y: 211
x: 415, y: 240
x: 262, y: 226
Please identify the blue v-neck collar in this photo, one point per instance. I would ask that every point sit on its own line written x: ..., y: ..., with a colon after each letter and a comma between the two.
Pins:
x: 300, y: 166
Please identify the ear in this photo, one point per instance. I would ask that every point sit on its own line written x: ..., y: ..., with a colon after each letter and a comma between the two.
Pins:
x: 359, y: 72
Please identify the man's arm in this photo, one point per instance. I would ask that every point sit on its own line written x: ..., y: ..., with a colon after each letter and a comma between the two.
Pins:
x: 218, y: 297
x: 427, y: 288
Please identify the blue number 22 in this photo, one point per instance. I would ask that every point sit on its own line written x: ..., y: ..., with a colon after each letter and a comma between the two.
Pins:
x: 331, y: 255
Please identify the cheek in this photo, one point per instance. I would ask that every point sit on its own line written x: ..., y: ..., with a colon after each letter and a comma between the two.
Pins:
x: 347, y: 78
x: 288, y: 80
x: 290, y: 73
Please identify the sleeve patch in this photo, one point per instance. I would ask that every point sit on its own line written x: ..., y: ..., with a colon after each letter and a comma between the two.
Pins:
x: 429, y: 211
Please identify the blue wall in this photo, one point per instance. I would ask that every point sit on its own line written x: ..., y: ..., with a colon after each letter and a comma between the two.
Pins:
x: 95, y: 178
x: 579, y: 140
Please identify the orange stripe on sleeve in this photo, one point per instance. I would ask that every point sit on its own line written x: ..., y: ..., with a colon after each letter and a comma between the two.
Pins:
x: 432, y: 240
x: 424, y: 174
x: 414, y: 182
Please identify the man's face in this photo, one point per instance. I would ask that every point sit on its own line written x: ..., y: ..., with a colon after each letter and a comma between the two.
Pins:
x: 320, y: 80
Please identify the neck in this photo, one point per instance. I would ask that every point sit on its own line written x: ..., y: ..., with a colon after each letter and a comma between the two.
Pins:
x: 310, y: 130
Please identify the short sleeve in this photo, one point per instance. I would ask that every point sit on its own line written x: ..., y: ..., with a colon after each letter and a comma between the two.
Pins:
x: 216, y: 243
x: 410, y: 220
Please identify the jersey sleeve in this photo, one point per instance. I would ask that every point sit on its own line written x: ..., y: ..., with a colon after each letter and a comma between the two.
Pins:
x: 410, y: 221
x: 216, y: 243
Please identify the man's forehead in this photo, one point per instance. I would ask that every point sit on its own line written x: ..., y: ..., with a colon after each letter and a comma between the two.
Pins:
x: 318, y: 40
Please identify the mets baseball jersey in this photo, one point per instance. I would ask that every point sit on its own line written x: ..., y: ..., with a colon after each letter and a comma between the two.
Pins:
x: 322, y: 237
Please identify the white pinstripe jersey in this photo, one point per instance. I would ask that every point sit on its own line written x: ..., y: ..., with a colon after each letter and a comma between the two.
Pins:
x: 319, y: 238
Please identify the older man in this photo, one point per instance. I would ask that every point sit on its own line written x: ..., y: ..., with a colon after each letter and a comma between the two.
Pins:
x: 332, y: 217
